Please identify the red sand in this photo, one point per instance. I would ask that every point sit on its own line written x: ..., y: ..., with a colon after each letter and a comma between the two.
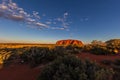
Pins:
x: 19, y: 72
x: 98, y: 58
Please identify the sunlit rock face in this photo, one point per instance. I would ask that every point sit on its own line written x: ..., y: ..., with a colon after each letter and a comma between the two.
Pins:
x: 69, y: 42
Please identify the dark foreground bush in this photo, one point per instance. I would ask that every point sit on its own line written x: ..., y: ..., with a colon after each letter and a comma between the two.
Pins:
x: 115, y: 66
x: 71, y: 68
x: 117, y: 62
x: 106, y: 62
x: 116, y: 76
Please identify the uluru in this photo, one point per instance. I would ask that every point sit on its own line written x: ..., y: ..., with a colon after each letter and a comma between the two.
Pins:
x: 70, y: 42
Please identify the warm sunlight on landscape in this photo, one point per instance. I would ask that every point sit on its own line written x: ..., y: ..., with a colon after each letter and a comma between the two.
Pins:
x: 59, y: 40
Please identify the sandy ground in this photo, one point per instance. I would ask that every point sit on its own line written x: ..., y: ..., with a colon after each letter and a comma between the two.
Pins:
x: 19, y: 72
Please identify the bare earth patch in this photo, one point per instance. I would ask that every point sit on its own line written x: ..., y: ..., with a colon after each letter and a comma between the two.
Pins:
x: 19, y: 72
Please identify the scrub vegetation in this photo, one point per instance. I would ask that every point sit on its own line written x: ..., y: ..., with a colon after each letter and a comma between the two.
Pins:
x: 63, y: 62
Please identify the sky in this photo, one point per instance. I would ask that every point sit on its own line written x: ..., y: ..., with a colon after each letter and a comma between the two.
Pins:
x: 46, y: 21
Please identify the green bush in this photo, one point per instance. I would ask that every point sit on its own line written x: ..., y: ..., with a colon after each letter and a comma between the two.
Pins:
x: 71, y: 68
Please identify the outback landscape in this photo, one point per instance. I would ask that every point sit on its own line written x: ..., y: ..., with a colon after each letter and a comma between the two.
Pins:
x: 67, y: 59
x: 59, y: 39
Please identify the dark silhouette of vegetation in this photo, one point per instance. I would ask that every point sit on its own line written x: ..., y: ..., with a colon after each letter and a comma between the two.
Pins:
x: 106, y: 62
x: 116, y: 68
x: 115, y: 65
x: 71, y: 68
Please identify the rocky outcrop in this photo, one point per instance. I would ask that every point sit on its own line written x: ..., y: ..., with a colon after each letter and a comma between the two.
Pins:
x: 69, y: 42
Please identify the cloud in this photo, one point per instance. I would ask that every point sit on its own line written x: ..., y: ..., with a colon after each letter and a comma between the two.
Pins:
x: 3, y: 7
x: 48, y: 22
x: 10, y: 10
x: 36, y: 15
x: 65, y: 15
x: 58, y: 28
x: 41, y: 24
x: 15, y: 17
x: 63, y: 20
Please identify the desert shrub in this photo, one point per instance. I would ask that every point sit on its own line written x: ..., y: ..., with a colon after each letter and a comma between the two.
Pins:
x: 99, y: 50
x: 71, y: 68
x: 116, y: 68
x: 95, y: 46
x: 106, y: 62
x: 113, y: 43
x: 73, y: 49
x: 35, y: 55
x: 117, y: 62
x: 103, y: 48
x: 116, y: 75
x: 4, y: 55
x: 87, y: 48
x: 41, y: 55
x: 59, y: 50
x: 14, y: 54
x: 103, y: 74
